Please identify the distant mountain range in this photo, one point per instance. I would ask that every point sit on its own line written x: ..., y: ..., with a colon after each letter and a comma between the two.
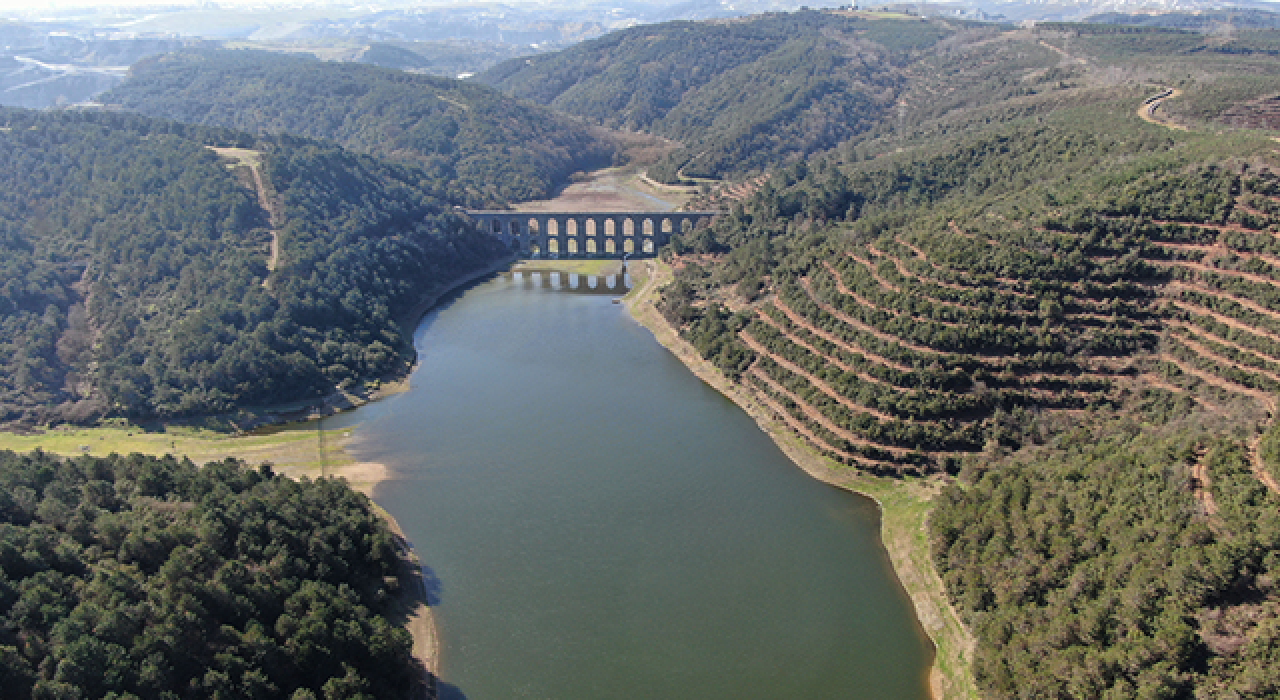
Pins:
x: 77, y: 55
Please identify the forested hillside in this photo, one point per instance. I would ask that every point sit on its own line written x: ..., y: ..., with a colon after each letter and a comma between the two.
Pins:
x: 488, y: 148
x: 1037, y: 270
x: 149, y: 578
x: 739, y: 95
x: 1051, y: 284
x: 137, y: 266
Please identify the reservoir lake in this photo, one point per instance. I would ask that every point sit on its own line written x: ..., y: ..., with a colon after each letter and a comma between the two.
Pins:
x: 595, y: 522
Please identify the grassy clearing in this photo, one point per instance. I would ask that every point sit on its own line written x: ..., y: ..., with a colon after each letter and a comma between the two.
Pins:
x: 295, y: 450
x: 240, y: 156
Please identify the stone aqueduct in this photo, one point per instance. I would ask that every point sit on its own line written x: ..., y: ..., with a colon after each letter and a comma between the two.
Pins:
x: 587, y: 233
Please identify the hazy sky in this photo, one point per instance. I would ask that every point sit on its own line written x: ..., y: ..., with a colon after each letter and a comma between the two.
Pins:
x: 30, y: 9
x: 37, y: 8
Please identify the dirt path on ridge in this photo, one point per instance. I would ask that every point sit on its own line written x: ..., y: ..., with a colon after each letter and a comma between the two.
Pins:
x: 1147, y: 112
x: 273, y: 215
x: 252, y: 160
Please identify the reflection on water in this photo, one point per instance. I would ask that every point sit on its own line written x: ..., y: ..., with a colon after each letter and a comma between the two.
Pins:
x: 601, y: 524
x: 616, y: 285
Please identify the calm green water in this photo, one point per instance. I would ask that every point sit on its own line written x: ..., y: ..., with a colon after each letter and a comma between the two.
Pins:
x: 598, y: 523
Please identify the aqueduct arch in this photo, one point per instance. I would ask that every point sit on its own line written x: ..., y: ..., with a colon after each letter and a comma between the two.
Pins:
x: 588, y: 233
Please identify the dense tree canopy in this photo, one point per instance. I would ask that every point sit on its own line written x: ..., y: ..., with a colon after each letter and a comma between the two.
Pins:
x: 739, y: 95
x: 1086, y: 572
x: 137, y: 278
x: 485, y: 148
x: 148, y: 577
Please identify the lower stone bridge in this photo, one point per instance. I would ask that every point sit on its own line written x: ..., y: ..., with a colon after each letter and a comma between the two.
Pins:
x: 578, y: 233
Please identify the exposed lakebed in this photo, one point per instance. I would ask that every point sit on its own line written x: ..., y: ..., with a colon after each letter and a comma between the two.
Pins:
x: 598, y: 523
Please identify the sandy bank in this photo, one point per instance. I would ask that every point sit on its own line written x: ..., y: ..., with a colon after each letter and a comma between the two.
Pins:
x: 411, y: 610
x: 904, y: 504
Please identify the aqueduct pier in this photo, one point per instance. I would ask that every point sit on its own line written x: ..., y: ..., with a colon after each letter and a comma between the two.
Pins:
x: 587, y: 233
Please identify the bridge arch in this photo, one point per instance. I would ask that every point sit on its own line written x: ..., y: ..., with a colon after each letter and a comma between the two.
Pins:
x: 587, y: 233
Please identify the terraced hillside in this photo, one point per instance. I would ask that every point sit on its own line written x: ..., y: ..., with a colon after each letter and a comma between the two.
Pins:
x: 1063, y: 315
x: 905, y: 349
x: 902, y: 308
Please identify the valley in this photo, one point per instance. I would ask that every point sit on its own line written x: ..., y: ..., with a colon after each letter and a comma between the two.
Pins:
x: 613, y: 189
x: 1016, y: 284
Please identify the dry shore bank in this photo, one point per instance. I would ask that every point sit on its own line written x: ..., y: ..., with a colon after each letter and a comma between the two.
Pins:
x: 904, y: 504
x: 625, y: 188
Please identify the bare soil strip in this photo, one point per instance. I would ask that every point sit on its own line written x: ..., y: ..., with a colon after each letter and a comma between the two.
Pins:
x: 1201, y: 267
x: 1250, y: 210
x: 1201, y: 487
x: 1215, y: 248
x: 1066, y: 57
x: 1206, y: 336
x: 1147, y: 112
x: 998, y: 360
x: 1192, y: 342
x: 1155, y: 381
x: 1261, y: 397
x: 905, y: 272
x: 1229, y: 228
x: 1009, y: 286
x: 794, y: 423
x: 816, y: 382
x: 1198, y: 310
x: 766, y: 318
x: 873, y: 305
x: 817, y: 416
x: 862, y: 376
x: 252, y: 160
x: 926, y: 282
x: 955, y: 228
x: 875, y: 274
x: 851, y: 321
x: 1259, y: 469
x: 914, y: 249
x: 836, y: 340
x: 1210, y: 291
